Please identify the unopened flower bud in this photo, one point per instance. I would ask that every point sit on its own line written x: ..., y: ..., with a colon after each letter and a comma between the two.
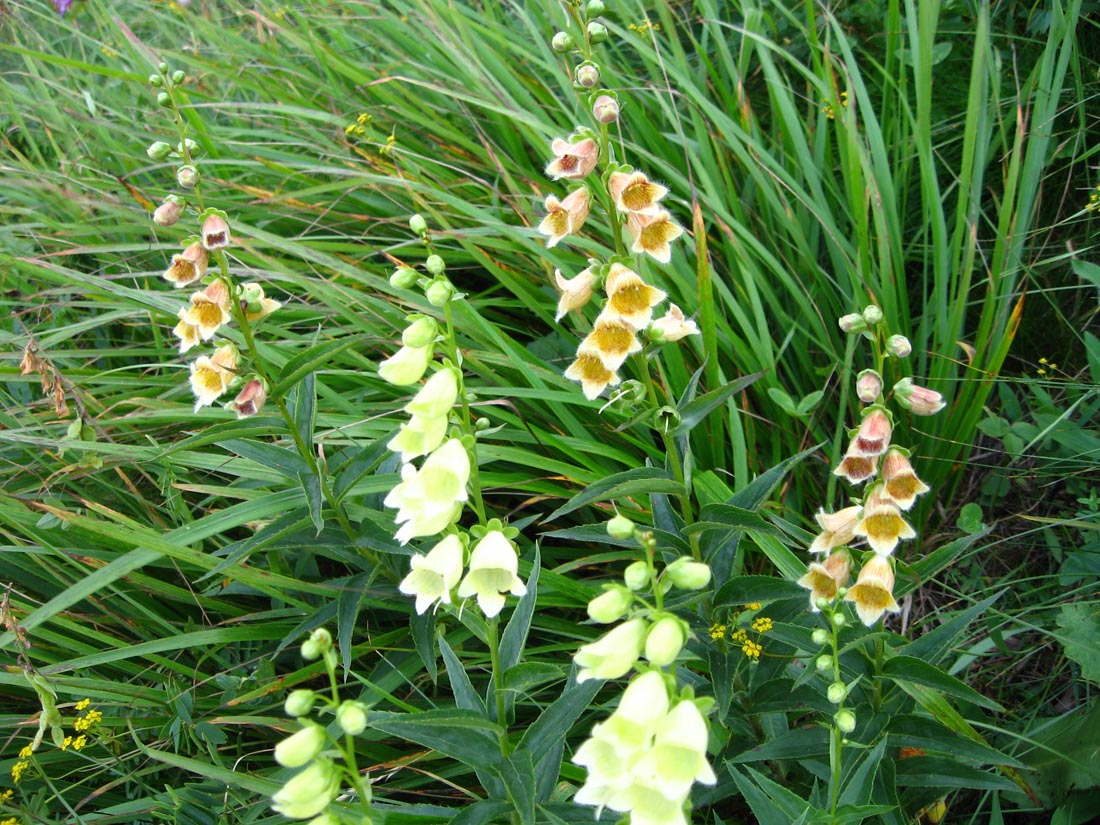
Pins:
x: 839, y: 621
x: 606, y: 109
x: 435, y: 265
x: 899, y: 346
x: 594, y: 8
x: 403, y: 278
x: 155, y: 80
x: 188, y: 147
x: 421, y: 332
x: 319, y: 641
x: 597, y: 32
x: 162, y: 67
x: 187, y: 176
x: 688, y: 574
x: 164, y: 100
x: 820, y: 636
x: 482, y: 424
x: 872, y: 315
x: 665, y: 641
x: 308, y: 792
x: 168, y: 213
x: 611, y: 605
x: 418, y: 225
x: 918, y: 400
x: 636, y: 575
x: 562, y: 42
x: 845, y: 721
x: 853, y: 323
x: 869, y: 386
x: 823, y: 663
x: 178, y: 77
x: 301, y: 747
x: 587, y: 75
x: 351, y: 716
x: 299, y: 702
x: 158, y: 151
x: 439, y: 292
x: 836, y: 692
x: 620, y: 527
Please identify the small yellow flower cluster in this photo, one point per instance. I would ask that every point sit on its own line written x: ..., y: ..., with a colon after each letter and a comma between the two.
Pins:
x: 828, y: 107
x: 1045, y: 366
x: 76, y: 744
x: 6, y: 795
x: 21, y: 765
x: 11, y: 820
x: 644, y: 27
x: 718, y: 631
x: 82, y: 705
x: 359, y: 128
x: 388, y: 147
x: 1094, y: 200
x: 762, y: 624
x: 752, y: 648
x: 87, y: 721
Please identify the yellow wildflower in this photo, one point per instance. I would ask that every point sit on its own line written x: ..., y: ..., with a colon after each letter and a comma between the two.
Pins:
x: 717, y: 631
x: 83, y: 704
x: 26, y: 752
x: 753, y: 606
x: 68, y: 740
x: 80, y: 742
x: 18, y: 769
x: 752, y: 650
x: 762, y: 624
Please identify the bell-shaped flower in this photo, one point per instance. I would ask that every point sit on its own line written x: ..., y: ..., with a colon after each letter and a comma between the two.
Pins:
x: 493, y: 567
x: 418, y: 436
x: 666, y: 638
x: 823, y: 579
x: 211, y: 376
x: 648, y: 805
x: 256, y: 306
x: 644, y: 703
x: 309, y: 791
x: 672, y: 326
x: 629, y: 298
x: 869, y: 386
x: 301, y: 747
x: 430, y: 499
x: 187, y: 332
x: 613, y: 654
x: 918, y: 400
x: 688, y: 574
x: 634, y: 192
x: 575, y: 291
x: 250, y: 400
x: 215, y: 232
x: 573, y: 160
x: 873, y: 436
x: 612, y: 340
x: 188, y: 266
x: 902, y: 484
x: 609, y: 769
x: 589, y: 369
x: 611, y: 605
x: 678, y: 757
x: 565, y: 217
x: 882, y: 524
x: 856, y: 467
x: 837, y: 529
x: 652, y: 234
x: 435, y: 575
x: 406, y: 366
x: 873, y: 591
x: 209, y: 309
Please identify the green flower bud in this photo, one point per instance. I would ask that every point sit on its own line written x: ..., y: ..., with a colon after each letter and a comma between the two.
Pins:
x: 824, y: 663
x: 482, y: 424
x: 611, y: 605
x: 845, y: 721
x: 421, y: 332
x: 836, y: 692
x: 853, y: 323
x: 351, y: 716
x: 872, y: 315
x: 587, y: 75
x: 688, y: 574
x: 189, y: 145
x: 158, y: 151
x: 155, y: 80
x: 820, y: 636
x: 620, y: 527
x: 164, y: 100
x: 839, y: 621
x: 636, y: 576
x: 319, y: 641
x: 418, y: 225
x: 299, y: 702
x: 308, y: 792
x: 403, y: 278
x: 187, y: 176
x: 594, y: 8
x: 435, y: 265
x: 299, y: 748
x: 439, y: 292
x: 162, y: 67
x: 562, y: 42
x: 178, y: 77
x: 665, y: 640
x: 899, y: 346
x: 597, y: 32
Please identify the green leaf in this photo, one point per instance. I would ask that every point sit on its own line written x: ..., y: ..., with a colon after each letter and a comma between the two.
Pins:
x: 771, y: 803
x: 695, y: 411
x: 466, y: 697
x: 304, y: 407
x: 782, y: 400
x: 518, y: 774
x: 1080, y: 623
x: 309, y: 361
x: 942, y: 772
x: 482, y: 812
x: 725, y: 517
x: 742, y: 590
x: 311, y: 486
x: 464, y: 735
x: 937, y: 643
x: 544, y: 738
x: 347, y: 614
x: 799, y: 743
x: 636, y: 482
x: 927, y: 734
x: 910, y: 669
x: 514, y: 637
x: 284, y: 461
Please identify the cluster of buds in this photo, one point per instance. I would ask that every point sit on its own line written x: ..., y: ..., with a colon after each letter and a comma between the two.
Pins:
x: 310, y: 791
x: 872, y: 457
x: 645, y: 757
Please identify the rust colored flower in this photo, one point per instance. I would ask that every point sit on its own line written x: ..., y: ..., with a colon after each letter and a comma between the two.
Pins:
x: 882, y: 524
x: 565, y: 217
x: 573, y: 160
x: 902, y: 484
x: 188, y: 266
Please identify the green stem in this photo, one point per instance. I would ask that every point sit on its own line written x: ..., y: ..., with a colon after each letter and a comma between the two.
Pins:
x: 477, y: 500
x: 348, y: 746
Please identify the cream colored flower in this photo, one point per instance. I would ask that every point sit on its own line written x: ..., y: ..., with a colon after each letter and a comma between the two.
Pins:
x: 187, y: 332
x: 430, y: 499
x: 209, y: 309
x: 575, y: 291
x: 823, y: 579
x: 634, y: 192
x: 836, y: 528
x: 856, y: 467
x: 493, y: 572
x: 882, y: 524
x: 653, y: 233
x: 565, y: 217
x: 673, y: 326
x: 589, y: 369
x: 613, y: 341
x: 211, y: 376
x: 873, y: 591
x: 255, y: 305
x: 902, y: 484
x: 629, y: 298
x: 188, y: 266
x: 435, y: 575
x: 573, y: 160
